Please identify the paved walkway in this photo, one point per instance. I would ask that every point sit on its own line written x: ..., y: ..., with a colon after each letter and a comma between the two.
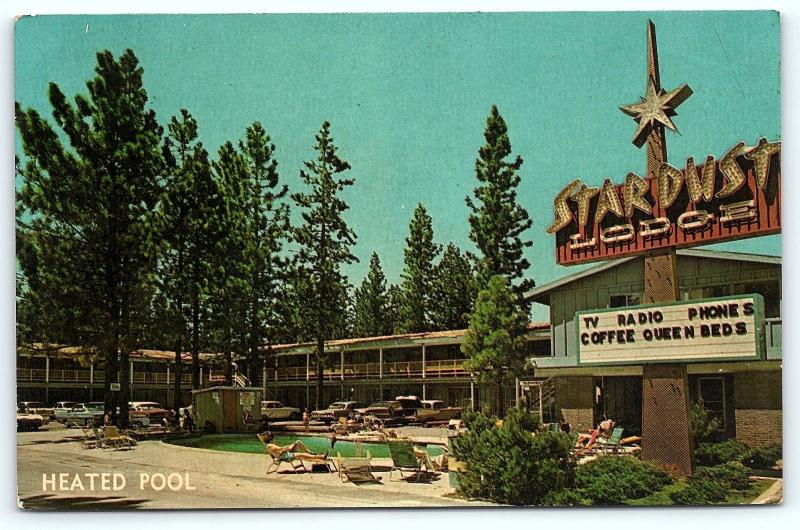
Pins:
x: 219, y: 479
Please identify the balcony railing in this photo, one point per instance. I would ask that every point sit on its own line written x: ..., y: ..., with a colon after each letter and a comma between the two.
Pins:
x: 85, y: 376
x: 394, y: 370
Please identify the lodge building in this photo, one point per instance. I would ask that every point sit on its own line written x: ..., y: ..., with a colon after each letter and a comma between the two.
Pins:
x: 745, y: 396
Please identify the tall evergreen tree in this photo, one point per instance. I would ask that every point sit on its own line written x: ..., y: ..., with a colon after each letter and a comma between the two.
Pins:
x: 372, y: 303
x: 230, y: 273
x: 417, y: 276
x: 187, y: 228
x: 325, y: 240
x: 267, y: 229
x: 452, y: 290
x: 495, y: 341
x: 88, y: 210
x: 394, y: 296
x: 497, y: 221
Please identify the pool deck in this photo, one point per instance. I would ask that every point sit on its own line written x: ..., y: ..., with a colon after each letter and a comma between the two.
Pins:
x: 220, y: 479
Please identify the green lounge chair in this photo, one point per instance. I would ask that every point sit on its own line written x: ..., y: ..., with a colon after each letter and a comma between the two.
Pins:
x: 404, y: 459
x: 612, y: 444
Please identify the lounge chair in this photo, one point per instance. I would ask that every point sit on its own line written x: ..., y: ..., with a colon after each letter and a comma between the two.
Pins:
x: 355, y: 469
x: 280, y: 457
x: 612, y: 443
x: 114, y: 438
x: 404, y: 458
x: 92, y: 440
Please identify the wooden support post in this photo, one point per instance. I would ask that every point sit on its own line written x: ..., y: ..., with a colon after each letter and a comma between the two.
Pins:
x: 380, y: 364
x: 423, y: 361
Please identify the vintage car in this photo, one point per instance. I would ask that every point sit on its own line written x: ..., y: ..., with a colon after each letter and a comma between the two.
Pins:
x: 85, y: 414
x: 274, y: 410
x: 434, y: 410
x: 61, y: 408
x: 383, y: 410
x: 337, y: 410
x: 27, y: 420
x: 409, y: 407
x: 37, y: 407
x: 151, y: 410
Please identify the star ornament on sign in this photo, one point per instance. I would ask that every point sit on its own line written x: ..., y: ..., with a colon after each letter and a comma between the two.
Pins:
x: 657, y: 106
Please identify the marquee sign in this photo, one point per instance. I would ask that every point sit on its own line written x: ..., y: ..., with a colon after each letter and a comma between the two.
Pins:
x: 734, y: 197
x: 728, y: 328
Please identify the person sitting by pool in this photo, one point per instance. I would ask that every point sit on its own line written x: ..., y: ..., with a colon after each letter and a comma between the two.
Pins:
x: 603, y: 430
x: 291, y: 450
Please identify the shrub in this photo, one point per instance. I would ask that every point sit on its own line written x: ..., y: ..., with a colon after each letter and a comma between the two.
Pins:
x: 508, y: 464
x: 732, y: 476
x: 615, y: 480
x: 704, y: 427
x: 715, y: 453
x: 700, y: 492
x: 566, y: 497
x: 764, y: 457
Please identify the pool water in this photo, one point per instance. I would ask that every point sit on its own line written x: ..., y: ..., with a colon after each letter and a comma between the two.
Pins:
x: 249, y: 443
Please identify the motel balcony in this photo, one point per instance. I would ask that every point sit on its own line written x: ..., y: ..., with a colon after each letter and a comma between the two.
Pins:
x: 445, y: 368
x: 97, y: 377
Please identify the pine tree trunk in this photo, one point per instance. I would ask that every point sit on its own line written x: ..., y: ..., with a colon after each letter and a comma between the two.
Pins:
x: 178, y: 399
x: 124, y: 387
x: 498, y: 396
x: 109, y: 397
x: 228, y: 358
x: 196, y: 341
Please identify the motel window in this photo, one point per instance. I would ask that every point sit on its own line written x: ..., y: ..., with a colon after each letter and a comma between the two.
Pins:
x: 624, y: 300
x: 769, y: 290
x: 711, y: 394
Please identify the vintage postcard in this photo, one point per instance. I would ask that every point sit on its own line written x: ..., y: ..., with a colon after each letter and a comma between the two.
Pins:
x: 398, y: 260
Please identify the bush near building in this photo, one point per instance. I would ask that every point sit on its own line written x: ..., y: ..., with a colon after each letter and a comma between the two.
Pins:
x: 612, y: 480
x: 716, y: 453
x: 507, y: 464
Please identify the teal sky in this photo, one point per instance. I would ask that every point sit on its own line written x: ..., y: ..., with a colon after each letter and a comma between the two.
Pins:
x: 408, y: 96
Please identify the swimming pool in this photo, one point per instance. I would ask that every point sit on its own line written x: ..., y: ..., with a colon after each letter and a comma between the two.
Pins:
x: 249, y: 443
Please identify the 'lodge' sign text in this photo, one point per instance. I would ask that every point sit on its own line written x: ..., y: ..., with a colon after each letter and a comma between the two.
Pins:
x: 729, y: 328
x: 734, y: 197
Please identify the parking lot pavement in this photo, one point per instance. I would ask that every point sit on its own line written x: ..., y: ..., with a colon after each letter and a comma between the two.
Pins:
x: 54, y: 472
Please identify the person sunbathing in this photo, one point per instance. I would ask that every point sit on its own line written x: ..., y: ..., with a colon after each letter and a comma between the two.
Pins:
x: 295, y: 450
x: 603, y: 431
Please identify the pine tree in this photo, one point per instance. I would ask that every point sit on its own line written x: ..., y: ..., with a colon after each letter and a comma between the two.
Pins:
x: 187, y: 228
x: 495, y: 341
x: 372, y: 303
x: 452, y: 291
x: 230, y: 272
x: 325, y: 240
x: 88, y: 209
x: 417, y: 276
x: 497, y: 220
x: 267, y: 228
x: 394, y: 296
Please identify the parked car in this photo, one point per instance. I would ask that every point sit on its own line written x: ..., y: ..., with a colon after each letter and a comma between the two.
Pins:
x: 383, y: 410
x: 409, y: 407
x: 275, y: 410
x: 27, y: 420
x: 151, y: 410
x: 61, y: 408
x: 37, y: 407
x: 434, y: 410
x: 338, y: 409
x: 85, y: 414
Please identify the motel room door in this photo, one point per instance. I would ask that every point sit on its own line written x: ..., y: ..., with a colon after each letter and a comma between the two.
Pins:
x: 621, y: 400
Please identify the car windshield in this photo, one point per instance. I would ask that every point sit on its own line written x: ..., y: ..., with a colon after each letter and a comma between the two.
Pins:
x: 148, y: 406
x: 97, y: 406
x: 383, y: 404
x: 35, y: 404
x: 22, y: 409
x: 338, y: 405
